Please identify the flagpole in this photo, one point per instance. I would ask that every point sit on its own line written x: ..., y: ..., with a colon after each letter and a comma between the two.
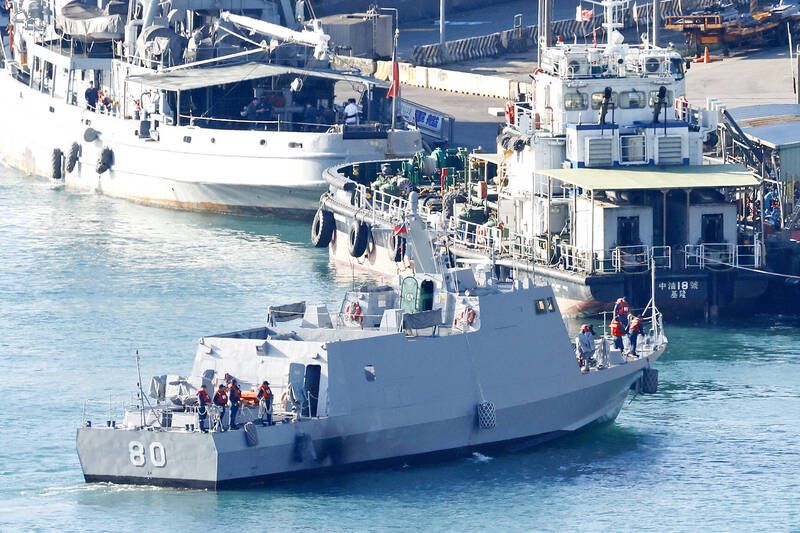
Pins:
x: 395, y: 81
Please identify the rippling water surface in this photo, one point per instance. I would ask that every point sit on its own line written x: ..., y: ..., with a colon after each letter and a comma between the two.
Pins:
x: 86, y: 280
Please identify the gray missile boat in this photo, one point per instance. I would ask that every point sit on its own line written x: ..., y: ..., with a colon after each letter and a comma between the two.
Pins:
x: 447, y: 363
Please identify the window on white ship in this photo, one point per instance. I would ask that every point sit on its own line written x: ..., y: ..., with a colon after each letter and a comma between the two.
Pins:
x: 632, y: 100
x: 668, y: 100
x: 575, y: 101
x: 597, y: 100
x: 631, y: 148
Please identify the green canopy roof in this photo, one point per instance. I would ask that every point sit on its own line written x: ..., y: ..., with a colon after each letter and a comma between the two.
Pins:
x: 649, y: 177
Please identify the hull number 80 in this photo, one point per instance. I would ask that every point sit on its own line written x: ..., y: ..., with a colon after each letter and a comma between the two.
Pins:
x: 137, y: 454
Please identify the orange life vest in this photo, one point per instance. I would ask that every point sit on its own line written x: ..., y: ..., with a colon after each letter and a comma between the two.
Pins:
x: 236, y: 394
x: 622, y: 308
x: 635, y: 324
x: 203, y: 396
x: 264, y: 392
x: 616, y: 328
x: 220, y: 398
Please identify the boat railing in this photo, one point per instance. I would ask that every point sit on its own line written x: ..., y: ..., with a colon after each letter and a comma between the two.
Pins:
x: 261, y: 125
x: 721, y: 255
x: 662, y: 256
x: 385, y: 206
x: 477, y: 236
x: 574, y: 258
x: 107, y: 411
x: 749, y: 254
x: 524, y: 118
x: 631, y: 258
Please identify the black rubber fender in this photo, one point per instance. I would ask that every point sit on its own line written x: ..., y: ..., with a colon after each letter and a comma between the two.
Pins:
x: 357, y: 239
x: 105, y: 160
x: 55, y: 163
x: 322, y: 228
x: 72, y: 158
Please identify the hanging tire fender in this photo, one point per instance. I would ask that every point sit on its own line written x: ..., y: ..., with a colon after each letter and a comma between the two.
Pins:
x: 357, y: 239
x: 322, y: 228
x: 56, y: 160
x: 105, y: 160
x: 72, y: 158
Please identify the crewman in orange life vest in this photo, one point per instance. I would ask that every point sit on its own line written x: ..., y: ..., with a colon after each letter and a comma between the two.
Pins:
x: 221, y: 400
x: 202, y: 411
x: 634, y: 330
x: 617, y: 331
x: 265, y: 402
x: 621, y: 311
x: 236, y: 401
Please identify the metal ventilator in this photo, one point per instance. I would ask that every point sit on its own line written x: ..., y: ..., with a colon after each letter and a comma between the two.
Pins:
x: 486, y: 415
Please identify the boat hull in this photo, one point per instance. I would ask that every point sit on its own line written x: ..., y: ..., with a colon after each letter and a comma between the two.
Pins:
x: 341, y: 444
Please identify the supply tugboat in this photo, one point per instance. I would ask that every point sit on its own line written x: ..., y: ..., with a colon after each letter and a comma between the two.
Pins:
x: 599, y: 175
x: 445, y: 363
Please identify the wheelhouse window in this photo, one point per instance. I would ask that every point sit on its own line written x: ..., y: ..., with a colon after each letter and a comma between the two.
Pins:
x: 632, y: 100
x: 677, y: 67
x: 597, y: 100
x: 575, y: 101
x: 668, y: 99
x: 541, y: 307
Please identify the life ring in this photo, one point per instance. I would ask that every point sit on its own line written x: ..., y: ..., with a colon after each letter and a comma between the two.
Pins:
x: 353, y: 313
x: 322, y: 228
x: 537, y: 72
x: 466, y: 318
x: 509, y: 111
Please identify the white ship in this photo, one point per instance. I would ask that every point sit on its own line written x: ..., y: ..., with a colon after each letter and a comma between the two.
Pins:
x: 171, y: 125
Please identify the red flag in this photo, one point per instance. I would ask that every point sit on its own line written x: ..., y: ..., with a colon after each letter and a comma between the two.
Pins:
x: 394, y: 90
x: 587, y: 15
x: 400, y: 229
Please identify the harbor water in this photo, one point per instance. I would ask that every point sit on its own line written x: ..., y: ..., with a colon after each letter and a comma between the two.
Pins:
x: 86, y: 280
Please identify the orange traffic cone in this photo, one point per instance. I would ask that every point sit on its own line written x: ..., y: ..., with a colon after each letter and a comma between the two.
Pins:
x: 706, y: 56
